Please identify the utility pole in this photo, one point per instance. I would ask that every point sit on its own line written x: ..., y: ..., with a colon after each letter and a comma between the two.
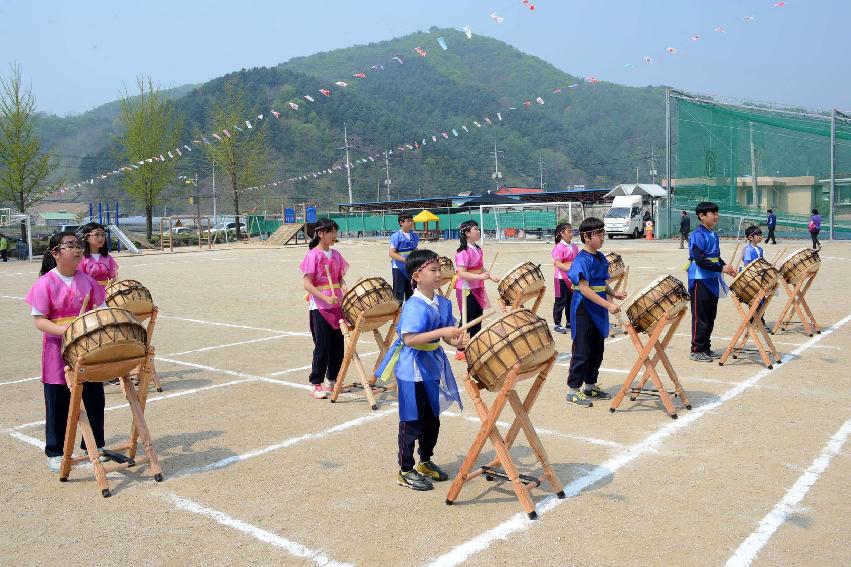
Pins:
x: 652, y: 164
x: 387, y: 170
x: 753, y: 170
x: 636, y: 175
x: 214, y: 192
x: 541, y: 169
x: 496, y: 175
x: 347, y: 147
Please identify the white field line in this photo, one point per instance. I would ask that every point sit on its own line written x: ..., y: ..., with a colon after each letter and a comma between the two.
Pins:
x: 153, y: 399
x: 19, y: 381
x: 27, y: 439
x: 260, y: 534
x: 748, y: 550
x: 12, y: 297
x: 214, y: 347
x: 372, y: 416
x: 506, y: 425
x: 519, y: 522
x: 308, y: 367
x: 20, y: 274
x: 233, y: 326
x: 775, y: 341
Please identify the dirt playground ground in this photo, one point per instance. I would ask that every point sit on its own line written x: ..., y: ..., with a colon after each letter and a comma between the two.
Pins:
x: 257, y: 472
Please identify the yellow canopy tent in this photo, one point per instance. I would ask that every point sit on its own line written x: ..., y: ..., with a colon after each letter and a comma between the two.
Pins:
x: 426, y: 217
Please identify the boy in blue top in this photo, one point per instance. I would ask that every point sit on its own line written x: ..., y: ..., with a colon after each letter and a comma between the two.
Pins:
x: 752, y: 249
x: 402, y: 243
x: 589, y: 315
x: 772, y: 224
x: 705, y: 281
x: 424, y: 378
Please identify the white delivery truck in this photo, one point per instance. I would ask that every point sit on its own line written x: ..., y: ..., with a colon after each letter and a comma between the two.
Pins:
x: 624, y: 218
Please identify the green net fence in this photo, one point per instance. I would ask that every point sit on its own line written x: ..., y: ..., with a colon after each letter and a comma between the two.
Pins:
x: 720, y: 148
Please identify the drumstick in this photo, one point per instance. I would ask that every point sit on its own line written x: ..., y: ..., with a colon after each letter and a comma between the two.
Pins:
x: 330, y: 281
x: 495, y: 256
x: 733, y: 257
x: 778, y: 256
x: 477, y: 320
x: 83, y: 306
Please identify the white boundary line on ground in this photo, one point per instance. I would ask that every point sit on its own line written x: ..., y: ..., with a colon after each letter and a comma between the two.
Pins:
x: 234, y: 326
x: 260, y: 534
x: 19, y: 381
x: 372, y: 416
x: 27, y: 439
x: 505, y: 424
x: 12, y: 297
x: 214, y: 347
x: 748, y: 550
x: 234, y: 373
x: 519, y: 522
x: 775, y: 341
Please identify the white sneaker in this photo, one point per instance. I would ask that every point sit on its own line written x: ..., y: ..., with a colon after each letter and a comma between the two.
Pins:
x: 330, y: 387
x: 53, y: 463
x: 319, y: 392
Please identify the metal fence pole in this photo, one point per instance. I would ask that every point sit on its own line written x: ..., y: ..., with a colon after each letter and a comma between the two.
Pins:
x: 832, y: 169
x: 668, y: 156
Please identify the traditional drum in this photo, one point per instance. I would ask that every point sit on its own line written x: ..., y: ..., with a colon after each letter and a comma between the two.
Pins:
x: 517, y: 337
x: 800, y: 263
x: 370, y: 297
x: 130, y: 295
x: 616, y: 266
x: 447, y: 269
x: 525, y: 278
x: 666, y: 294
x: 754, y: 278
x: 105, y: 335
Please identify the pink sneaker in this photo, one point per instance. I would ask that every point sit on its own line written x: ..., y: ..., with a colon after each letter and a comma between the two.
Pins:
x: 319, y: 392
x: 330, y: 386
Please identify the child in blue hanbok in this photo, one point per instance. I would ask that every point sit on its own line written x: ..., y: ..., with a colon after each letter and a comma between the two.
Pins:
x: 424, y: 378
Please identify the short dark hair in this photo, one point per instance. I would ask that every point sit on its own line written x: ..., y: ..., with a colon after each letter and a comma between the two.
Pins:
x: 815, y: 211
x: 404, y: 217
x: 705, y: 207
x: 589, y: 225
x: 685, y: 213
x: 751, y: 230
x: 770, y: 211
x: 417, y: 258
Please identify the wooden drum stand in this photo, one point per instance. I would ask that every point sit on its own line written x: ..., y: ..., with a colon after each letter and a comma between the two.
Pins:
x: 797, y: 303
x: 364, y: 324
x: 751, y: 323
x: 670, y: 319
x: 502, y: 445
x: 76, y: 378
x: 152, y: 321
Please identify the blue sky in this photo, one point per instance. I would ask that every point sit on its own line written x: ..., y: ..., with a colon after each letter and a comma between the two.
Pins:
x: 77, y: 55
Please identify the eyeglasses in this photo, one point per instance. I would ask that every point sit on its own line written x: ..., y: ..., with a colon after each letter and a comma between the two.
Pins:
x: 68, y: 247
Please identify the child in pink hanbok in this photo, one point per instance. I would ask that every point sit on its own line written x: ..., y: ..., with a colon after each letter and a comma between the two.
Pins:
x: 56, y: 299
x: 470, y: 285
x: 96, y: 260
x: 564, y: 252
x: 325, y: 310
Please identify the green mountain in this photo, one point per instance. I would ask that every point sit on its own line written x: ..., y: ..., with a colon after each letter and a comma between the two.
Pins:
x: 593, y: 134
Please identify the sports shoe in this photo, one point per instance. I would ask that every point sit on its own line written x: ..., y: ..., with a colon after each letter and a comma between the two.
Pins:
x: 711, y: 353
x: 459, y: 355
x: 53, y: 463
x: 700, y: 357
x: 577, y: 398
x: 319, y: 392
x: 432, y: 471
x: 596, y: 392
x: 414, y: 480
x: 559, y: 329
x: 330, y: 387
x: 103, y: 457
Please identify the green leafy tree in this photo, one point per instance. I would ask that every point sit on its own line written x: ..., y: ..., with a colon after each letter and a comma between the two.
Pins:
x: 241, y: 156
x: 23, y: 166
x: 151, y: 128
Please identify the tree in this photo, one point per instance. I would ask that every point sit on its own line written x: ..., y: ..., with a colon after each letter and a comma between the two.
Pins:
x: 151, y: 129
x: 23, y: 166
x: 241, y: 156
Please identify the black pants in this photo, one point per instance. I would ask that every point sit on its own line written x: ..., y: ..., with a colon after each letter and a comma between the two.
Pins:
x: 562, y: 303
x: 57, y: 400
x: 586, y: 351
x: 423, y: 430
x: 4, y: 254
x: 770, y: 237
x: 401, y: 286
x: 474, y: 310
x: 683, y: 238
x: 814, y: 235
x: 704, y: 308
x: 327, y: 349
